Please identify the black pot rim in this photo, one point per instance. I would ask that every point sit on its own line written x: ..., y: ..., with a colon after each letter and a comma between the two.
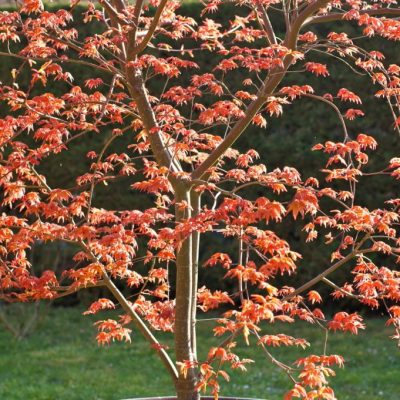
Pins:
x: 202, y: 398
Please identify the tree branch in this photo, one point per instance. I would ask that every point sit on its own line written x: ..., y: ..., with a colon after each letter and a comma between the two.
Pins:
x: 270, y: 83
x: 79, y: 50
x: 65, y: 291
x: 113, y: 13
x: 185, y: 297
x: 55, y: 59
x: 331, y: 104
x: 195, y: 200
x: 135, y: 24
x: 7, y: 325
x: 153, y: 26
x: 325, y: 273
x: 336, y: 287
x: 395, y: 12
x: 267, y: 24
x: 126, y: 305
x: 293, y: 32
x: 165, y: 358
x: 236, y: 130
x: 139, y: 94
x: 116, y: 22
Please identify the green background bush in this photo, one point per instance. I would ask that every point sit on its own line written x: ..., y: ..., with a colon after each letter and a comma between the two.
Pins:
x: 285, y: 141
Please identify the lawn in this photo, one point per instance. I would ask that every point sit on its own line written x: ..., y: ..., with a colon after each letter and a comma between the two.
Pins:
x: 62, y: 361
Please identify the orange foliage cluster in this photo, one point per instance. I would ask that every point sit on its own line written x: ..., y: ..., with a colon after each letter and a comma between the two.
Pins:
x: 181, y: 151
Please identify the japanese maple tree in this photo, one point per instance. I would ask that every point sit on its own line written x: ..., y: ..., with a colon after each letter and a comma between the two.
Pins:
x: 181, y: 156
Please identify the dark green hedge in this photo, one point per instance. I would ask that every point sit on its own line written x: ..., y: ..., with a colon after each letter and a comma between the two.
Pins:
x: 286, y: 140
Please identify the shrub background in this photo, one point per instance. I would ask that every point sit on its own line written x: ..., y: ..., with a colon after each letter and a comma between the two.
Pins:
x: 286, y: 140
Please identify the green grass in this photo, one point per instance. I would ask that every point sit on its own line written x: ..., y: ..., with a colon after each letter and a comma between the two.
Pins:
x: 61, y: 361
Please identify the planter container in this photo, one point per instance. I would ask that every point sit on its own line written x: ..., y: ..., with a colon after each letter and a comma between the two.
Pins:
x: 202, y: 398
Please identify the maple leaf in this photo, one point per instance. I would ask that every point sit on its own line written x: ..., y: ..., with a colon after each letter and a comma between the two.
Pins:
x: 352, y: 114
x: 100, y: 304
x: 314, y: 297
x: 219, y: 258
x: 317, y: 69
x: 305, y: 201
x: 346, y: 322
x: 93, y: 83
x: 274, y: 105
x: 347, y: 95
x: 259, y: 120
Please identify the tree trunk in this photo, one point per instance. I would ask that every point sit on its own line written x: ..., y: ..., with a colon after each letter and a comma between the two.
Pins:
x: 186, y: 384
x: 185, y: 309
x: 196, y: 205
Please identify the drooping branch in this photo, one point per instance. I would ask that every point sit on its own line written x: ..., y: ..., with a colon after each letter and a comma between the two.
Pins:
x: 335, y: 108
x: 127, y: 307
x: 165, y: 358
